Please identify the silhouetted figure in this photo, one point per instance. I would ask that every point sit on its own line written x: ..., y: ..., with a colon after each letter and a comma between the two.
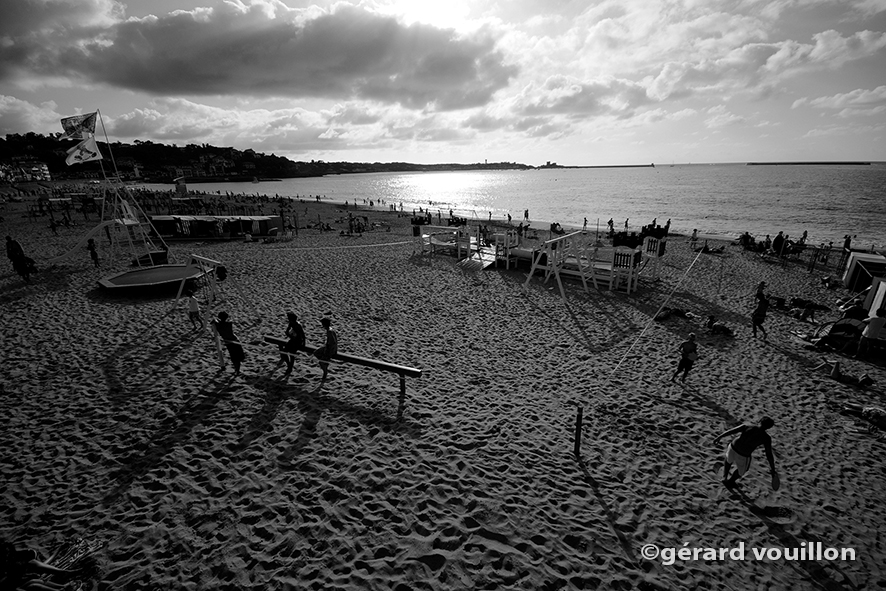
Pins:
x: 296, y: 343
x: 226, y: 331
x: 688, y: 355
x: 14, y: 250
x: 330, y: 348
x: 93, y: 253
x: 759, y: 316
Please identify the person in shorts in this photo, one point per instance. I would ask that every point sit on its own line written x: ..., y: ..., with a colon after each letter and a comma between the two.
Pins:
x: 739, y: 451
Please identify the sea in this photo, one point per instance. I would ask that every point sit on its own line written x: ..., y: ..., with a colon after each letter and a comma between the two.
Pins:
x: 827, y: 201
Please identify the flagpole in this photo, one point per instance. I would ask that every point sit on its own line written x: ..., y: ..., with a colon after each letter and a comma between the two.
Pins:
x: 108, y: 141
x: 146, y: 240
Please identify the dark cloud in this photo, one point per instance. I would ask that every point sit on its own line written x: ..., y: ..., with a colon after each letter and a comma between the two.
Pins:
x: 236, y: 49
x: 34, y: 18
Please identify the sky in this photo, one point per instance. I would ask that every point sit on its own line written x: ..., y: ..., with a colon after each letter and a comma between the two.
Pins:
x: 531, y: 81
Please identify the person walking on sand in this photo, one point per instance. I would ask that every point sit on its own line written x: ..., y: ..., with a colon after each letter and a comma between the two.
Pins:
x: 688, y: 355
x: 194, y: 311
x: 225, y: 330
x: 758, y: 316
x: 296, y: 334
x: 739, y: 451
x: 330, y: 348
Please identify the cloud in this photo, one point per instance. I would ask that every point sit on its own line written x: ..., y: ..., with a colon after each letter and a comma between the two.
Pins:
x: 265, y: 48
x: 855, y: 98
x: 22, y: 18
x: 564, y: 95
x: 721, y: 117
x: 830, y: 49
x: 179, y: 120
x: 827, y: 131
x: 18, y: 116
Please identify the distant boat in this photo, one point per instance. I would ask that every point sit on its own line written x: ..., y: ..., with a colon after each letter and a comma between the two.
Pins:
x: 255, y: 180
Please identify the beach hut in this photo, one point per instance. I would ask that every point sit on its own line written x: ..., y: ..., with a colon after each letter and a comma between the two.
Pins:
x: 876, y: 298
x: 861, y: 268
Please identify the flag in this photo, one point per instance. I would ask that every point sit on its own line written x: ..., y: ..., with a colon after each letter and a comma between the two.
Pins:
x: 79, y: 127
x: 85, y: 151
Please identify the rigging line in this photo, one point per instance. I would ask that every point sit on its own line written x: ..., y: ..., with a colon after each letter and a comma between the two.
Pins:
x: 651, y: 320
x: 108, y: 141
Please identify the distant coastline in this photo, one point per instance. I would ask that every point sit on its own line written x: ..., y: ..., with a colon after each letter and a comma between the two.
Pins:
x: 835, y: 163
x: 558, y: 166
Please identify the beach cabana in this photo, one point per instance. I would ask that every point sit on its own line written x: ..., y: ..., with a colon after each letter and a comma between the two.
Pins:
x: 861, y: 268
x: 219, y: 227
x: 876, y: 298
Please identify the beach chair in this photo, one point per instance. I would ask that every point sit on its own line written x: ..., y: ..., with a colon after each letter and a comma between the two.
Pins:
x: 504, y: 243
x: 625, y: 268
x: 653, y: 250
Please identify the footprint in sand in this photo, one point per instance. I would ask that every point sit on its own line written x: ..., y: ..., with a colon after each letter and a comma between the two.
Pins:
x: 780, y: 515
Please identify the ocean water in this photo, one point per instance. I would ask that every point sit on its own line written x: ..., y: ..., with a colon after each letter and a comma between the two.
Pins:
x: 723, y: 199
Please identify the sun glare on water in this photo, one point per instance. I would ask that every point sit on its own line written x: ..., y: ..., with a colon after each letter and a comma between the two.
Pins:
x: 458, y: 190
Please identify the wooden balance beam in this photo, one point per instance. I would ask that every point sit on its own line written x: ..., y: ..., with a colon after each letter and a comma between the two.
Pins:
x: 400, y: 370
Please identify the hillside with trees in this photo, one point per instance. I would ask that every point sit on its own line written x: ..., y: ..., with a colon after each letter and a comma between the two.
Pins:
x: 22, y: 155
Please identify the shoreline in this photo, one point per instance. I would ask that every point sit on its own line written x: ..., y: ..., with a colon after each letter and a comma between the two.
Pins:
x: 364, y: 209
x: 818, y: 235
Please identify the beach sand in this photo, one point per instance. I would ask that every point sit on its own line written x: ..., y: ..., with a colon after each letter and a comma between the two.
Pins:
x: 119, y: 426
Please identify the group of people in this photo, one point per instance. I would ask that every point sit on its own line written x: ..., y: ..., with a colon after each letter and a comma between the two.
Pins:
x: 779, y: 246
x: 295, y: 334
x: 750, y: 435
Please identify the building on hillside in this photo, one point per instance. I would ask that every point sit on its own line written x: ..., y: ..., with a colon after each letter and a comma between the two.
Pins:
x: 25, y: 170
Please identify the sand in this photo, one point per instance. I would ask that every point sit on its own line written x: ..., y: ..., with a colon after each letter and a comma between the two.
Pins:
x: 119, y: 426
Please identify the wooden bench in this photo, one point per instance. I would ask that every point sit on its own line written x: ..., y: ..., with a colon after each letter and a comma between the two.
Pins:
x: 400, y: 370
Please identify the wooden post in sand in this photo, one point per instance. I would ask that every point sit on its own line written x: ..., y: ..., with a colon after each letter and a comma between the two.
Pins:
x: 578, y: 419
